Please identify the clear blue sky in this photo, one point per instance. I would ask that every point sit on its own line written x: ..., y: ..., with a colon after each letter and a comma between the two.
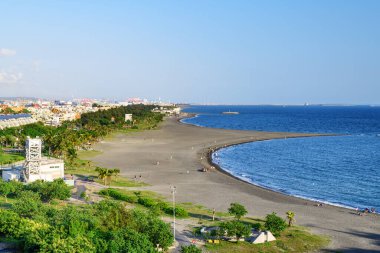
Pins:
x: 235, y: 52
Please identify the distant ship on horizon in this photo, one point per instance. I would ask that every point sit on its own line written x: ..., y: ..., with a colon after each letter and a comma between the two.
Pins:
x: 229, y: 112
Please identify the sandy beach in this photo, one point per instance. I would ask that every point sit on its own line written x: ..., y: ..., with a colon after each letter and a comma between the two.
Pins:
x: 174, y: 154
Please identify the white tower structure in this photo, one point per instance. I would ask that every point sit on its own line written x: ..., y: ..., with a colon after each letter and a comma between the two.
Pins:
x: 33, y: 156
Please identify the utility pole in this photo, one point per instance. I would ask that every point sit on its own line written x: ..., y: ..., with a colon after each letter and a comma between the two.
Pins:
x: 173, y: 190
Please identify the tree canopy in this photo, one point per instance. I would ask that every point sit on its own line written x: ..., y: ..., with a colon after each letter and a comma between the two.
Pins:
x: 237, y: 210
x: 275, y: 224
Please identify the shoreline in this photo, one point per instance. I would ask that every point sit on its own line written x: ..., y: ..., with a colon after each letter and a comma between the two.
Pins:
x: 209, y: 153
x: 221, y: 170
x: 179, y: 149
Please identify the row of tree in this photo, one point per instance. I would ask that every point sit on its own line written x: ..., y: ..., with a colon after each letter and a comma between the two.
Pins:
x: 65, y: 140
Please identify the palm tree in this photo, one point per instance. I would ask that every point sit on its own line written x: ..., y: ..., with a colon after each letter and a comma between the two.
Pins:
x: 102, y: 174
x: 290, y: 216
x: 71, y: 154
x: 116, y: 172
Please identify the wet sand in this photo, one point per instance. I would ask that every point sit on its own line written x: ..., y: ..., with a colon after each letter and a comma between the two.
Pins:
x: 174, y: 154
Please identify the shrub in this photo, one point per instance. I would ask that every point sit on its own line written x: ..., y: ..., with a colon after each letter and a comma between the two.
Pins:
x: 197, y: 231
x: 147, y: 202
x: 127, y: 240
x: 190, y: 249
x: 9, y: 188
x: 28, y: 204
x: 9, y: 223
x: 83, y: 194
x: 179, y: 211
x: 163, y: 205
x: 275, y: 224
x: 113, y: 193
x: 57, y: 189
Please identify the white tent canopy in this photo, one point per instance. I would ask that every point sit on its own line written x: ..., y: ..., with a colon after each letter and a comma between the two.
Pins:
x: 261, y: 237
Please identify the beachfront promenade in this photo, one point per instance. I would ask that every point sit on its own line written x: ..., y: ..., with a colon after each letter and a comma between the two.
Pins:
x: 174, y: 154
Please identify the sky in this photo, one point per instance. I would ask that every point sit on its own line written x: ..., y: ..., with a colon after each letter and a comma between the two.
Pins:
x: 206, y: 51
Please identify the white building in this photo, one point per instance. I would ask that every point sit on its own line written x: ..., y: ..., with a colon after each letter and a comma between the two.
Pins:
x: 50, y: 169
x: 35, y: 167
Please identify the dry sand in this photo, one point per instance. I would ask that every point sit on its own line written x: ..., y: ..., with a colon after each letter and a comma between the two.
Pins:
x: 178, y: 149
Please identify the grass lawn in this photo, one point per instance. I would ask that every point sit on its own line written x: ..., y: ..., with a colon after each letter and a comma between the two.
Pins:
x: 6, y: 158
x: 121, y: 182
x: 86, y: 169
x: 87, y: 154
x: 294, y: 239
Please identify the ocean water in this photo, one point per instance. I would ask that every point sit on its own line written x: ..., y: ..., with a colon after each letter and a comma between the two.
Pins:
x: 342, y: 170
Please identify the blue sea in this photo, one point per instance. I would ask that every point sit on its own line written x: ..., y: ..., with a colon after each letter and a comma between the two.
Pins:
x: 341, y: 170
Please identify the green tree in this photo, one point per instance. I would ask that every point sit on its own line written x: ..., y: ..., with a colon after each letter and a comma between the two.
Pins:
x: 102, y: 174
x: 157, y: 231
x: 116, y: 172
x: 290, y: 216
x: 9, y: 223
x: 237, y: 210
x: 275, y: 224
x: 106, y: 174
x: 46, y: 239
x: 71, y: 154
x: 5, y: 189
x: 28, y: 204
x: 58, y: 190
x: 235, y: 228
x: 129, y: 241
x: 50, y: 190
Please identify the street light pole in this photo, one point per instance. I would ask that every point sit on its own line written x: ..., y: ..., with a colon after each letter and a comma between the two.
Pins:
x: 173, y: 190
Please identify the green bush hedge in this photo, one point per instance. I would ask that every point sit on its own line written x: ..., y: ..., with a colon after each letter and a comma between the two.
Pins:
x: 113, y: 193
x: 147, y: 202
x: 179, y: 211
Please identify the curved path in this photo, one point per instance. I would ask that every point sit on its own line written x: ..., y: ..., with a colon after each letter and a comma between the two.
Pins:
x: 172, y: 155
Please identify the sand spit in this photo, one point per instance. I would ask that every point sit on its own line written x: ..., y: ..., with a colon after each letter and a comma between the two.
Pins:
x: 175, y: 153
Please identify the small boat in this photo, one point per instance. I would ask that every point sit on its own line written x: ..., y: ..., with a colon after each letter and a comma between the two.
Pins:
x: 229, y: 112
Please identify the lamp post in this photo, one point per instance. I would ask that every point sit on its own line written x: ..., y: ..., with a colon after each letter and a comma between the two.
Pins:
x: 173, y: 191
